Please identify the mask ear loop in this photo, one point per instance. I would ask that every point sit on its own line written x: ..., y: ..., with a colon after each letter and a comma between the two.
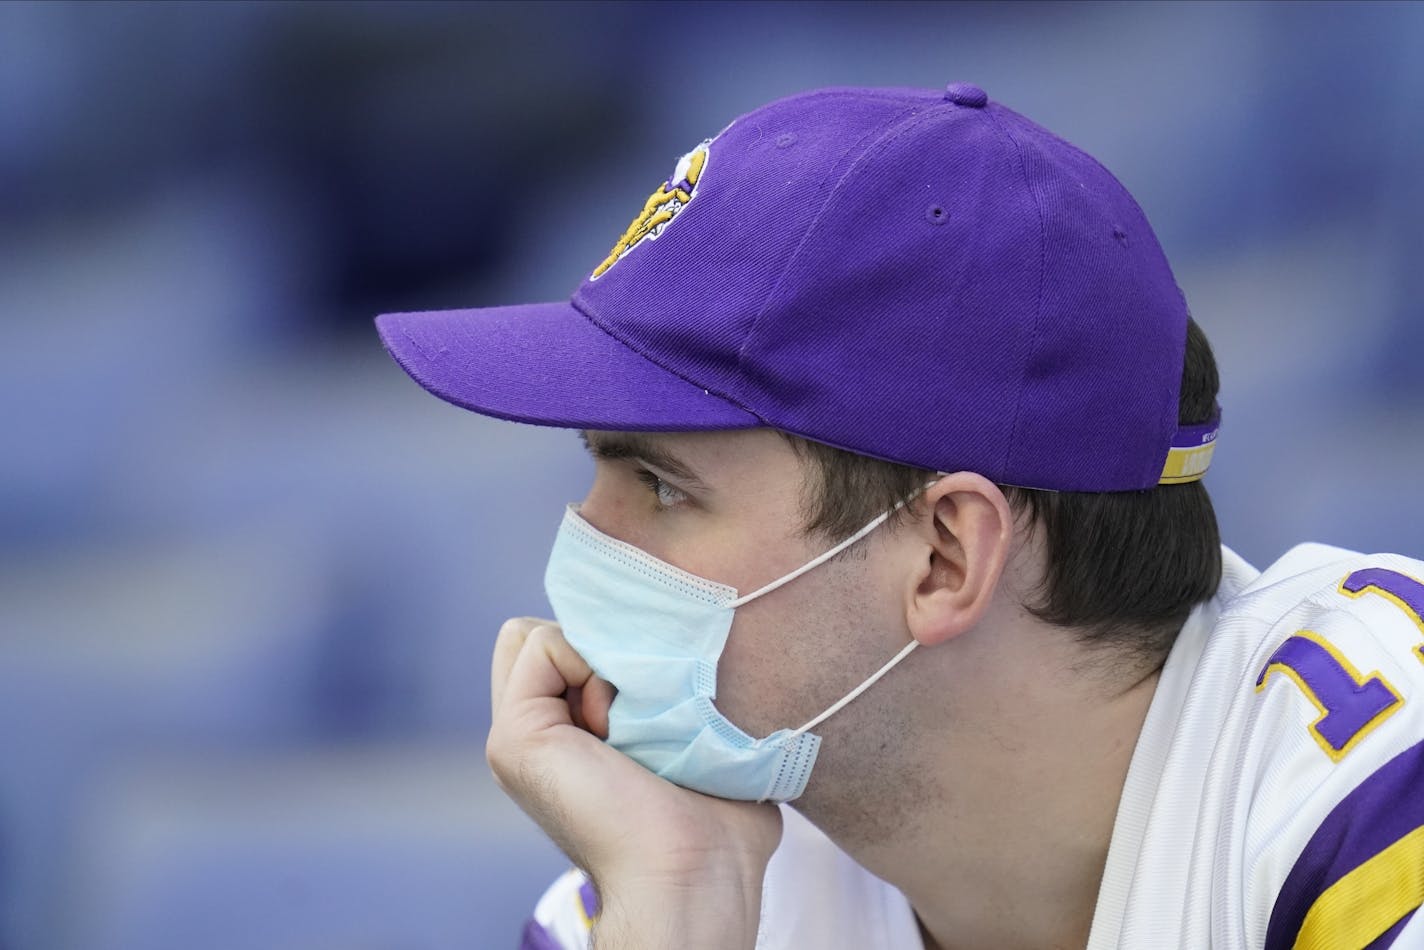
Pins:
x: 819, y: 559
x: 875, y: 677
x: 823, y: 558
x: 845, y: 701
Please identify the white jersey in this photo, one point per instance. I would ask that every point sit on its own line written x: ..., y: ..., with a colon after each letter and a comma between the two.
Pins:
x: 814, y: 896
x: 1275, y: 798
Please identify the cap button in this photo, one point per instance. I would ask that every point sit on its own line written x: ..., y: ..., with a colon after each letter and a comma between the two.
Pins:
x: 966, y: 94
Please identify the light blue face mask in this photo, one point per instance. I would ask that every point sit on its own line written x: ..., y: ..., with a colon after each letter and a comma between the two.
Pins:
x: 656, y: 632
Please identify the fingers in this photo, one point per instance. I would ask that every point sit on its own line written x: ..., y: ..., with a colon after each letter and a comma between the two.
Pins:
x: 535, y: 671
x: 596, y: 697
x: 614, y: 817
x: 545, y: 668
x: 574, y: 697
x: 588, y: 697
x: 507, y: 645
x: 589, y: 705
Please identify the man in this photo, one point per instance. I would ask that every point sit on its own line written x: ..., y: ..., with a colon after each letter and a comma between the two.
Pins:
x: 899, y: 419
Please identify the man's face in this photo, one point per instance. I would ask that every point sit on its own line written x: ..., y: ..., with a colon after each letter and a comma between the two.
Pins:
x: 728, y: 506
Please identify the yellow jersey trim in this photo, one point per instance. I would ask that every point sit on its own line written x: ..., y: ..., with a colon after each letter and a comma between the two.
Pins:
x: 1372, y: 898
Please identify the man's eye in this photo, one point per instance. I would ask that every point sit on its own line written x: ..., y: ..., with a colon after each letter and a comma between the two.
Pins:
x: 669, y: 496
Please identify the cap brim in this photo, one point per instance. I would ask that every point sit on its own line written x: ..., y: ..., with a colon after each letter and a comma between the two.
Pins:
x: 548, y: 364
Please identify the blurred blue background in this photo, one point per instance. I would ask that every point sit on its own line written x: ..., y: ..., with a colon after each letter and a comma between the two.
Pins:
x: 250, y: 573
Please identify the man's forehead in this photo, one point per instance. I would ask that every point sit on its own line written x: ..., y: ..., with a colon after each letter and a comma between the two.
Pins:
x: 687, y: 441
x: 701, y: 451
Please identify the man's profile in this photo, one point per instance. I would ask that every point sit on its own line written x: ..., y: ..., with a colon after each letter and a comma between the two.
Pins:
x: 897, y: 614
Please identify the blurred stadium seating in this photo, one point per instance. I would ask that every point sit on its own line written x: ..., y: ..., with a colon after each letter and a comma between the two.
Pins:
x: 250, y: 574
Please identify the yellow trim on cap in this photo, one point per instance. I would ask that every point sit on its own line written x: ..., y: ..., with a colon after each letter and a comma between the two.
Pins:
x: 1186, y: 465
x: 1363, y: 904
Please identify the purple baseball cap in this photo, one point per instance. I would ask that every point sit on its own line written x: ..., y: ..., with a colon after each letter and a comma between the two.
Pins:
x: 922, y: 276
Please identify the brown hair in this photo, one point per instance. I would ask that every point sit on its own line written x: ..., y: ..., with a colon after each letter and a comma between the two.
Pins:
x: 1124, y: 568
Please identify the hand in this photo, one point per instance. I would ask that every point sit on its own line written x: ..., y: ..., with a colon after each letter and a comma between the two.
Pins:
x: 671, y: 865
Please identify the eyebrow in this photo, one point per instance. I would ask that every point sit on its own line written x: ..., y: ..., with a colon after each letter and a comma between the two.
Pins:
x: 630, y: 445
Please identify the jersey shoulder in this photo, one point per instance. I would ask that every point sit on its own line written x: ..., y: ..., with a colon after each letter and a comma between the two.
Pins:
x: 1346, y: 629
x: 563, y: 917
x: 1334, y: 758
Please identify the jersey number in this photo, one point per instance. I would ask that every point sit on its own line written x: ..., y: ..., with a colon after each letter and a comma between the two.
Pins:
x: 1350, y: 703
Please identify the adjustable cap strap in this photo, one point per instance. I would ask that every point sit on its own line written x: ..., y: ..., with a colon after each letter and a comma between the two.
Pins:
x: 1191, y: 451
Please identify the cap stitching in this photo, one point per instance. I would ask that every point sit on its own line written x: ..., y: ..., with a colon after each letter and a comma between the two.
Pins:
x: 1003, y: 472
x: 410, y: 338
x: 888, y: 93
x: 887, y: 133
x: 1170, y: 409
x: 711, y: 391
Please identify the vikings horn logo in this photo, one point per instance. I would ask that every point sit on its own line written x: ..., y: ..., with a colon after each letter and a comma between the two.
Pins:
x: 662, y: 206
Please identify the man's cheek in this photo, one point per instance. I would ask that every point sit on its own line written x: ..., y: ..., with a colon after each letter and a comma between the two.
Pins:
x: 746, y: 674
x: 766, y: 672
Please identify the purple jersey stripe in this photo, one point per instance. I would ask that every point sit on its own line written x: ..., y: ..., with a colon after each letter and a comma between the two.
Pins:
x: 589, y: 897
x: 1378, y: 812
x: 1386, y: 939
x: 537, y: 938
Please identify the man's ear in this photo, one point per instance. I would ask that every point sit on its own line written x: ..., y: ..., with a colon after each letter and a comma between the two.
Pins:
x: 968, y: 526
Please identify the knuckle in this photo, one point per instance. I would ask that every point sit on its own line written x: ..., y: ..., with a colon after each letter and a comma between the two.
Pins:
x: 545, y: 635
x: 514, y: 627
x: 523, y: 627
